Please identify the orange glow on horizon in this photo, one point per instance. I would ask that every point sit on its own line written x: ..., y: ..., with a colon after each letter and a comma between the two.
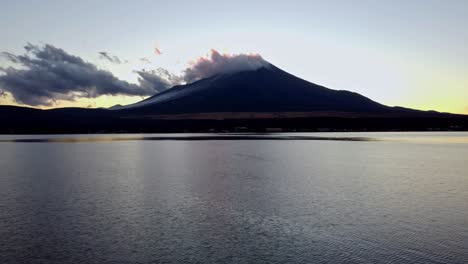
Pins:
x: 441, y: 104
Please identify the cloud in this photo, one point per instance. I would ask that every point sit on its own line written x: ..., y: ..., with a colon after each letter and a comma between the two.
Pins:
x: 107, y: 56
x: 217, y: 63
x: 157, y: 51
x: 203, y: 67
x: 47, y: 74
x: 159, y: 79
x: 10, y: 56
x: 145, y: 60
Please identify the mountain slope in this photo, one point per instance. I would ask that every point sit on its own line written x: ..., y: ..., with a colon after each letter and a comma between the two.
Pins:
x: 267, y: 89
x: 254, y: 100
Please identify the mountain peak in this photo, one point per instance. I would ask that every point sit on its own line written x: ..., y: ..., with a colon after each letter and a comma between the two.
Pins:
x: 217, y: 63
x: 260, y: 87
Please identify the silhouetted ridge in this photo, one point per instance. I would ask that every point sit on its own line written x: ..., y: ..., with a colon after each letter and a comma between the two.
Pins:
x: 267, y: 89
x: 256, y: 100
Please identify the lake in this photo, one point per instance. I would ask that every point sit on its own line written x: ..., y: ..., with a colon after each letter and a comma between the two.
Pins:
x: 234, y: 198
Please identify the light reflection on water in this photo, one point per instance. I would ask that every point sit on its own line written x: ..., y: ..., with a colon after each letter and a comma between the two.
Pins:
x: 292, y: 198
x: 415, y: 137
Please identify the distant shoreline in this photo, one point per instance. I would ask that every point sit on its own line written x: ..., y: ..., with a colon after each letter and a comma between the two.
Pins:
x: 19, y: 120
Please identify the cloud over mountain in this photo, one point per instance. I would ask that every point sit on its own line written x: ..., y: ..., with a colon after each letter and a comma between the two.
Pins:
x: 46, y: 74
x: 218, y: 63
x: 159, y: 79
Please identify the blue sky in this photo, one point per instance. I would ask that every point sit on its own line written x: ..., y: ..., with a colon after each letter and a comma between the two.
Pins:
x: 409, y: 53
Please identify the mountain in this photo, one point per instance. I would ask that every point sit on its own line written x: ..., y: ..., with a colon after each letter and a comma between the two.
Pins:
x: 267, y: 89
x: 250, y: 100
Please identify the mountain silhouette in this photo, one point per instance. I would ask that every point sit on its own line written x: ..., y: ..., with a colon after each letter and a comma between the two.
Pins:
x: 267, y: 89
x: 251, y: 100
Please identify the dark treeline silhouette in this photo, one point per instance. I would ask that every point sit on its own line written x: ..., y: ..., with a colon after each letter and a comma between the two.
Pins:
x: 31, y: 121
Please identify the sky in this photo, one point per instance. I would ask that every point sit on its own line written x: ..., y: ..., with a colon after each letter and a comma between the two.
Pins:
x: 405, y: 53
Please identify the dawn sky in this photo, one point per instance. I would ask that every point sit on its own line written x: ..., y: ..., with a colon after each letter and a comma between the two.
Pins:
x: 407, y: 53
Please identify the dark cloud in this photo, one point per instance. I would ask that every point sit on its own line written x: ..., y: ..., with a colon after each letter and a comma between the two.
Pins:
x: 47, y: 74
x: 217, y: 63
x: 159, y: 79
x: 9, y: 56
x: 145, y: 60
x: 111, y: 58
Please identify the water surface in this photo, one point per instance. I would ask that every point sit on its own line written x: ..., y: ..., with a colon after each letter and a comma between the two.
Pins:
x: 234, y: 198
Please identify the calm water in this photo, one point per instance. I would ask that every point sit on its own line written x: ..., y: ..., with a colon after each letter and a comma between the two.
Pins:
x: 272, y: 198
